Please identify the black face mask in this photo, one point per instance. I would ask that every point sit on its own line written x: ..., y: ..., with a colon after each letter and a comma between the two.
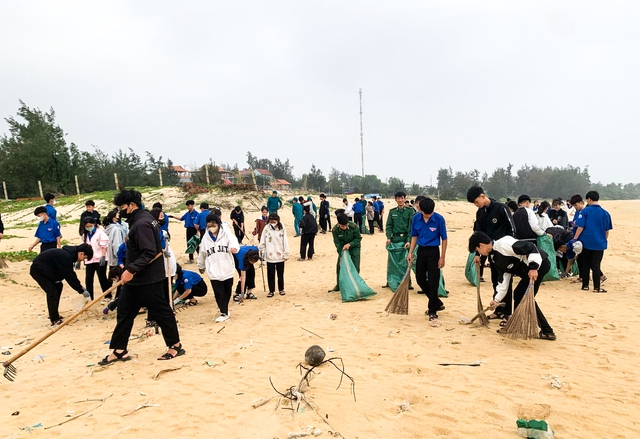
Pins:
x: 162, y: 222
x: 123, y: 213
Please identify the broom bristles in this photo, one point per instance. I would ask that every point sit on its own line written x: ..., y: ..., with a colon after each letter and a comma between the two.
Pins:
x: 523, y: 324
x: 399, y: 303
x: 3, y: 264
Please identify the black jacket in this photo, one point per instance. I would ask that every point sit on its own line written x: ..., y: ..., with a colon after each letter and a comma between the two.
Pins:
x: 143, y: 246
x: 523, y: 227
x: 495, y: 220
x: 56, y: 264
x: 560, y: 216
x: 308, y: 224
x: 1, y: 226
x: 324, y: 208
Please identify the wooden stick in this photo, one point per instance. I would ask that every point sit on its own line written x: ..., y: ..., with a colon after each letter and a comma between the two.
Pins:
x: 83, y: 413
x: 312, y: 333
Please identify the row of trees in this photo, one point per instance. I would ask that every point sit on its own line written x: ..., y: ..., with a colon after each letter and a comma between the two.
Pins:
x: 35, y: 150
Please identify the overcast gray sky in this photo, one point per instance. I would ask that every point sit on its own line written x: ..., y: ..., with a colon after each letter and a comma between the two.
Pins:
x: 466, y: 84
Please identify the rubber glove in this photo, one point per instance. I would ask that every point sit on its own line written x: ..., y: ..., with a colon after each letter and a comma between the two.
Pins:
x: 78, y: 265
x: 102, y: 261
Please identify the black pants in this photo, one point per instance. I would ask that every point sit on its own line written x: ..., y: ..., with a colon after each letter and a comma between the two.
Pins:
x: 427, y: 265
x: 272, y: 269
x: 379, y: 221
x: 154, y: 297
x: 357, y: 218
x: 325, y: 220
x: 222, y: 291
x: 53, y: 291
x: 198, y: 290
x: 304, y: 241
x: 521, y: 288
x: 44, y: 246
x: 239, y: 233
x: 591, y: 261
x: 249, y: 279
x: 191, y: 232
x: 371, y: 226
x: 91, y: 270
x: 483, y: 260
x: 507, y: 309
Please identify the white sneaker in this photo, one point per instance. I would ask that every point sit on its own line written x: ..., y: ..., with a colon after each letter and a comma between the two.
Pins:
x: 222, y: 318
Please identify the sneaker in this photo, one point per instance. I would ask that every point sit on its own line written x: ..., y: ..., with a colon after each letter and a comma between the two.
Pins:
x: 222, y: 318
x: 301, y: 259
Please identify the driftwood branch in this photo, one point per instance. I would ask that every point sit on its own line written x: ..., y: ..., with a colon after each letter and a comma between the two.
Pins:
x: 83, y: 413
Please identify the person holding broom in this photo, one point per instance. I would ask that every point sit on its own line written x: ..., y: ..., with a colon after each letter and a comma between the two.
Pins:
x: 515, y: 258
x: 398, y: 230
x: 346, y: 236
x: 428, y: 231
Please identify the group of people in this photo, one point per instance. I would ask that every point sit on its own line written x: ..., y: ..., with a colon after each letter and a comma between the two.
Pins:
x: 139, y: 258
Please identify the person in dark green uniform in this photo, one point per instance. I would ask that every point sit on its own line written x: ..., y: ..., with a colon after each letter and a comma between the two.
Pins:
x: 346, y: 236
x: 398, y: 231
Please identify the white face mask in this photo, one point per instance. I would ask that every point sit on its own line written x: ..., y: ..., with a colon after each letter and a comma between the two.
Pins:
x: 54, y: 202
x: 41, y: 218
x: 213, y: 229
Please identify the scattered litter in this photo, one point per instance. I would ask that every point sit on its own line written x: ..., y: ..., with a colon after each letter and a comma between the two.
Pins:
x: 476, y: 363
x: 404, y: 406
x: 6, y: 353
x: 90, y: 364
x: 211, y: 363
x: 555, y: 380
x: 333, y: 316
x: 107, y: 342
x: 330, y: 349
x: 16, y: 413
x: 534, y: 429
x: 40, y: 357
x: 455, y: 342
x: 5, y: 348
x: 39, y: 424
x: 26, y: 340
x: 141, y: 406
x: 143, y: 394
x: 165, y: 371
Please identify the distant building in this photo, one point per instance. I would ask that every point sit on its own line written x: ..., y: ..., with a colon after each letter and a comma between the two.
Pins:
x: 264, y: 178
x: 185, y: 175
x: 281, y: 185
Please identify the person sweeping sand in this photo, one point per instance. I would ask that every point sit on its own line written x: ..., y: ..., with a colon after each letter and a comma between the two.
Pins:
x: 513, y: 257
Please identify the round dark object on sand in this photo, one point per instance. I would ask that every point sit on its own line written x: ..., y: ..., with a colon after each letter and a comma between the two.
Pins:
x: 314, y: 355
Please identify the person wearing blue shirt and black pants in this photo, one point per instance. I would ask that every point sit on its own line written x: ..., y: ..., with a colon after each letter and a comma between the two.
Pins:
x: 358, y: 208
x: 50, y: 199
x: 593, y: 225
x: 428, y: 230
x: 189, y: 219
x: 48, y: 232
x: 188, y: 286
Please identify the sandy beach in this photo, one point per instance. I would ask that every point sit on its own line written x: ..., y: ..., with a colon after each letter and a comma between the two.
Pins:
x: 401, y: 391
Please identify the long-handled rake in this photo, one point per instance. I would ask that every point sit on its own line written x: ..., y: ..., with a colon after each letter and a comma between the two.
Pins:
x: 10, y: 370
x: 484, y: 320
x: 399, y: 303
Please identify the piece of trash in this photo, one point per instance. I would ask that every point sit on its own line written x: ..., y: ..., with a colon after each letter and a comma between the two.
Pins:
x: 333, y: 316
x: 455, y: 342
x: 16, y: 413
x: 39, y: 357
x: 555, y: 380
x: 39, y: 424
x: 535, y: 429
x: 107, y: 342
x: 330, y: 349
x: 90, y: 364
x: 5, y: 348
x: 143, y: 394
x: 404, y: 406
x: 355, y: 329
x: 6, y: 353
x: 477, y: 363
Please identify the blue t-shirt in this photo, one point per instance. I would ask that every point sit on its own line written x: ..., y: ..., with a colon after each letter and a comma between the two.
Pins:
x: 357, y: 208
x: 241, y: 254
x: 165, y: 226
x: 189, y: 218
x: 51, y: 211
x: 201, y: 220
x: 121, y: 253
x: 376, y: 208
x: 595, y: 222
x: 296, y: 209
x: 48, y: 232
x: 431, y: 232
x: 188, y: 280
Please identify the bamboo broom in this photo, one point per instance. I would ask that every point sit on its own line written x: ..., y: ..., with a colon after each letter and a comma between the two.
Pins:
x: 399, y: 303
x: 523, y: 324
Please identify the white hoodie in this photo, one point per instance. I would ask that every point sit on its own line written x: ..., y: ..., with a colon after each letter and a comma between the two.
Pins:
x: 274, y: 244
x: 215, y: 255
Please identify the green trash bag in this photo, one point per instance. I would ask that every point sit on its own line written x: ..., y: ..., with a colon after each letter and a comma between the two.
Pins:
x: 470, y: 271
x: 442, y: 292
x: 396, y: 264
x: 546, y: 244
x: 193, y: 243
x: 352, y: 287
x: 574, y: 268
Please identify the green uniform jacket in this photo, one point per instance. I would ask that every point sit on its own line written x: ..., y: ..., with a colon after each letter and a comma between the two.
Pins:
x: 350, y: 236
x: 399, y: 224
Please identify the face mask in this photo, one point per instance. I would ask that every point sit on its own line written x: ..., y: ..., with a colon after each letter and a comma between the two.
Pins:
x: 90, y: 229
x: 41, y: 218
x: 123, y: 213
x: 54, y: 202
x: 162, y: 222
x: 213, y: 229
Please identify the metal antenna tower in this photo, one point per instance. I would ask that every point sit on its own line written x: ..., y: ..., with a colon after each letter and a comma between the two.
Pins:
x: 361, y: 136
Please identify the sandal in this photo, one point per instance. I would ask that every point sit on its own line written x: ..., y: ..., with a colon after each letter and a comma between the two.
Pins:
x: 599, y: 290
x: 251, y: 296
x: 237, y: 298
x: 271, y: 293
x: 179, y: 352
x: 192, y: 302
x: 282, y: 293
x: 504, y: 322
x: 496, y: 316
x: 603, y: 279
x: 585, y: 289
x: 577, y: 281
x: 547, y: 336
x: 119, y: 357
x: 434, y: 321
